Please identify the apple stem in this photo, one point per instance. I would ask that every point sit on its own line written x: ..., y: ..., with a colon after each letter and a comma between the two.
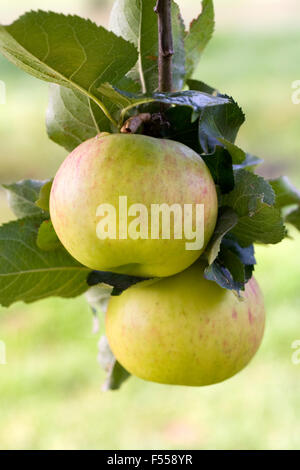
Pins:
x: 166, y: 51
x: 134, y: 123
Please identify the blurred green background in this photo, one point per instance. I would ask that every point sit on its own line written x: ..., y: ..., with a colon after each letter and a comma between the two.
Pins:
x: 50, y: 389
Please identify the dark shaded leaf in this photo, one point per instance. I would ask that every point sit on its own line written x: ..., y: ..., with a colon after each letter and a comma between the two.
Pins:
x: 220, y: 166
x: 221, y: 275
x: 181, y: 128
x: 119, y: 282
x: 227, y: 219
x: 219, y: 125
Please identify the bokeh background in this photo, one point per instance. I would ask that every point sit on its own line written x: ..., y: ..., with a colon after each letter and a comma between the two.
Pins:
x: 50, y: 389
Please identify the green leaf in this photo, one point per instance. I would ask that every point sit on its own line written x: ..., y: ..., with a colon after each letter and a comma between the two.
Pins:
x: 253, y: 200
x: 200, y: 33
x: 249, y: 192
x: 220, y: 125
x: 47, y: 240
x: 73, y: 118
x: 22, y: 197
x: 294, y: 218
x: 265, y: 226
x: 67, y: 50
x: 28, y: 273
x: 286, y: 193
x: 227, y: 219
x: 44, y: 196
x: 136, y: 21
x: 201, y: 86
x: 116, y: 374
x: 220, y: 166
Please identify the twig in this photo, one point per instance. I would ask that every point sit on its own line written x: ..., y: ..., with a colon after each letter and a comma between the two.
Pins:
x: 166, y: 52
x: 133, y: 124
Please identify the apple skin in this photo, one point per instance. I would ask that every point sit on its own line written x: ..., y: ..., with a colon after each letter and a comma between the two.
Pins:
x: 147, y: 171
x: 185, y: 330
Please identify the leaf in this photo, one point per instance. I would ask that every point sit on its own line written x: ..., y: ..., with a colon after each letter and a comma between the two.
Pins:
x: 227, y: 219
x: 136, y: 21
x: 234, y: 265
x: 250, y: 163
x: 194, y: 99
x: 222, y: 276
x: 249, y: 192
x: 47, y: 240
x: 44, y: 196
x: 286, y: 193
x: 200, y: 33
x: 181, y: 127
x: 73, y: 118
x: 22, y: 197
x: 220, y: 125
x: 119, y: 282
x: 67, y: 50
x: 246, y: 254
x: 116, y: 374
x: 201, y: 86
x: 238, y: 260
x: 294, y: 218
x: 28, y: 273
x: 265, y: 226
x: 253, y: 200
x: 220, y: 166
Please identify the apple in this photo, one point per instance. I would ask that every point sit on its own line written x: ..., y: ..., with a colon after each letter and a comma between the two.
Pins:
x: 139, y: 172
x: 185, y: 330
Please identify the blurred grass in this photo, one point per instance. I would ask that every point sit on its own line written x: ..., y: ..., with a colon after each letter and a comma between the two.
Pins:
x: 50, y: 388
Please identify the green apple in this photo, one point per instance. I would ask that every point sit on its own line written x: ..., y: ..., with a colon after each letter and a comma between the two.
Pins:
x: 185, y: 330
x: 142, y: 171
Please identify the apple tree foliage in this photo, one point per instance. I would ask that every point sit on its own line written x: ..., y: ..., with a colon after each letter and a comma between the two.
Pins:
x: 98, y: 79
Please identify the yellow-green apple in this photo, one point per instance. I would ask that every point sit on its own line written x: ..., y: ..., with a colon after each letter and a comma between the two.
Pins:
x: 109, y: 195
x: 185, y: 330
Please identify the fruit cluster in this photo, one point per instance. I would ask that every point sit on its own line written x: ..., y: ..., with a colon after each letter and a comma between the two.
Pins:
x: 181, y: 329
